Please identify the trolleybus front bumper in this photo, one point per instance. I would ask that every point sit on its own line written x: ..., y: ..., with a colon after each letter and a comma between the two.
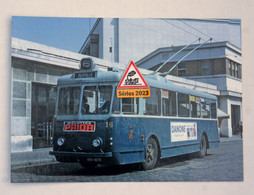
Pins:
x: 81, y: 154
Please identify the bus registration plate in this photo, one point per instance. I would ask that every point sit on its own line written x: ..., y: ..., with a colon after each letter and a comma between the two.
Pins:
x: 79, y: 126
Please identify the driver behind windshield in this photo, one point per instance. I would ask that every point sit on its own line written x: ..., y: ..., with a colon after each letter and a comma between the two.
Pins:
x: 85, y: 106
x: 105, y: 107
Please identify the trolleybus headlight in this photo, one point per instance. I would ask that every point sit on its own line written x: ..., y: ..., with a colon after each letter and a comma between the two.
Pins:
x: 60, y: 141
x: 97, y: 142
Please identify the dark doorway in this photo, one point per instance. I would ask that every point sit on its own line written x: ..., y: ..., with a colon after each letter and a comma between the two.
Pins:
x: 235, y: 118
x: 43, y: 110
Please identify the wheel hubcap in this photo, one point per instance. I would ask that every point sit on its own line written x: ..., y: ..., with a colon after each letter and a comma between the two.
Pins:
x: 150, y: 153
x: 203, y: 146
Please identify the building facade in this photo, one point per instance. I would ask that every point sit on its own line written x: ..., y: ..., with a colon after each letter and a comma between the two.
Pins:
x: 35, y: 70
x: 124, y: 39
x: 217, y: 63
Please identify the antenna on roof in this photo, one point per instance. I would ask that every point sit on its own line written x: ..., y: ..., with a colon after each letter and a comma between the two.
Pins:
x: 174, y: 56
x: 165, y: 73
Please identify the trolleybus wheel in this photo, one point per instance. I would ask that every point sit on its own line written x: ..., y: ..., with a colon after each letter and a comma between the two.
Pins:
x: 203, y: 147
x: 151, y: 155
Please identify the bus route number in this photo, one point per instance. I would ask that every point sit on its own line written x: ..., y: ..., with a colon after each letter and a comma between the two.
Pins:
x: 132, y: 93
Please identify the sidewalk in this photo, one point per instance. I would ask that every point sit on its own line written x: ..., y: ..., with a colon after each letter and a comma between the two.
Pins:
x: 41, y: 156
x: 230, y: 139
x: 37, y: 156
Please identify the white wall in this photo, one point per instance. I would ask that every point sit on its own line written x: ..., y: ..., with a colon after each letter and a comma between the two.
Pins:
x: 226, y: 128
x: 139, y: 37
x: 110, y: 39
x: 99, y: 30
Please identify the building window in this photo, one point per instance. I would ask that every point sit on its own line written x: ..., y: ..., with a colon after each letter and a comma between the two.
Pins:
x: 19, y: 108
x: 19, y: 89
x: 206, y: 67
x: 182, y: 69
x: 230, y: 68
x: 234, y: 69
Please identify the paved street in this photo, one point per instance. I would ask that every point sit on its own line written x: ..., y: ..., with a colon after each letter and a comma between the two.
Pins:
x: 223, y: 164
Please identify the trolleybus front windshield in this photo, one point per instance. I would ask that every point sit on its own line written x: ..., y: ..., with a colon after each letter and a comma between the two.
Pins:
x: 95, y: 100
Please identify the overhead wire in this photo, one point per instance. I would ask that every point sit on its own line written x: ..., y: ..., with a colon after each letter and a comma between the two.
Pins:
x: 210, y: 39
x: 196, y: 29
x: 175, y: 55
x: 165, y: 73
x: 179, y: 27
x: 155, y: 31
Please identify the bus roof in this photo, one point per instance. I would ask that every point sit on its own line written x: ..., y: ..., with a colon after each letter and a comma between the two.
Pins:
x: 161, y: 82
x: 115, y: 77
x: 101, y: 77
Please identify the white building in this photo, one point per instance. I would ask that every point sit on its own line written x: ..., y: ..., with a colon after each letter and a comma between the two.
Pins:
x: 217, y: 63
x: 35, y: 70
x: 124, y: 39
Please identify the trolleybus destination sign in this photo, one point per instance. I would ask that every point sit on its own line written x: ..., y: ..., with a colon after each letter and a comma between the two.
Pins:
x: 132, y: 84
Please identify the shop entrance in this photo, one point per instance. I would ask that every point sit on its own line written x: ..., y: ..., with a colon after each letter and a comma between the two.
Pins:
x: 43, y: 110
x: 235, y: 118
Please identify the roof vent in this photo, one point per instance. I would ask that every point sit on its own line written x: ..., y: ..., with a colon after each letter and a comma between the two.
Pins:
x: 113, y: 69
x: 87, y: 64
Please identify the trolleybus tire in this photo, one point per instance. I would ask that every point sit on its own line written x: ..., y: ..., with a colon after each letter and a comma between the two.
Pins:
x: 203, y: 147
x: 151, y: 155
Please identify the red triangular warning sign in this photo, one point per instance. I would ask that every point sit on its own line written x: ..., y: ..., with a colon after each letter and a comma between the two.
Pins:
x: 132, y: 78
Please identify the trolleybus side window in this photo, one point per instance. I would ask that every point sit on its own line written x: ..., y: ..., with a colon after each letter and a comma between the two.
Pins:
x: 130, y: 105
x: 205, y: 108
x: 152, y: 105
x: 195, y: 106
x: 213, y: 109
x: 168, y: 103
x: 69, y: 98
x: 183, y: 105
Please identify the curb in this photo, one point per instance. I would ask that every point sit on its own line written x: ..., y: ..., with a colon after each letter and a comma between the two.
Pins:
x: 237, y: 140
x: 230, y: 139
x: 32, y: 163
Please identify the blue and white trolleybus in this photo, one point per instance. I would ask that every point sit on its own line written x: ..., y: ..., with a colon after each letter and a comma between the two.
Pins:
x: 92, y: 126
